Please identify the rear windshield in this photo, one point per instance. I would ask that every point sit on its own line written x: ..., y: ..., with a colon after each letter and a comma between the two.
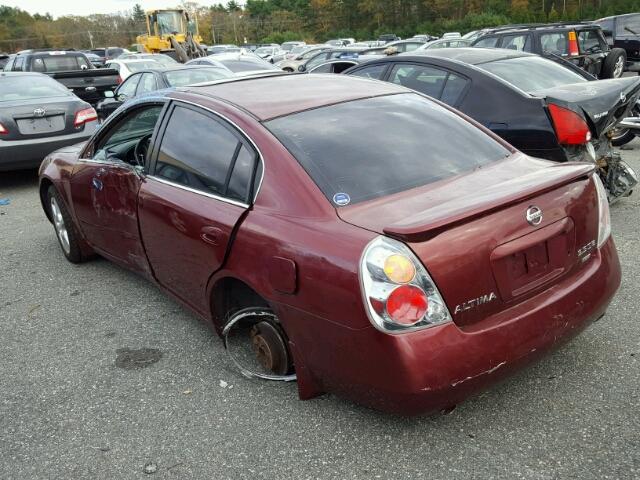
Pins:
x: 59, y: 63
x: 532, y: 73
x: 27, y: 87
x: 370, y: 148
x: 247, y: 65
x: 180, y: 78
x: 139, y: 66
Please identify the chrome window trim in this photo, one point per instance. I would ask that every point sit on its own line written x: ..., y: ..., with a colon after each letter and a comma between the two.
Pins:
x: 244, y: 134
x: 199, y: 192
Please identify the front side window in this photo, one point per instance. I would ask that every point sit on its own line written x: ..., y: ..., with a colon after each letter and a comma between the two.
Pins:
x: 427, y: 80
x: 532, y: 73
x: 317, y: 60
x: 128, y: 88
x: 408, y: 152
x: 119, y: 142
x: 198, y: 152
x: 374, y: 71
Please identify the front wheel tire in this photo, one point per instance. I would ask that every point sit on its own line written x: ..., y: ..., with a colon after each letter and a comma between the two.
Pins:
x: 66, y: 231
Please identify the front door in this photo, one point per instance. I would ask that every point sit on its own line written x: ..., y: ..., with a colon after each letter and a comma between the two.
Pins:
x: 105, y: 185
x: 198, y: 190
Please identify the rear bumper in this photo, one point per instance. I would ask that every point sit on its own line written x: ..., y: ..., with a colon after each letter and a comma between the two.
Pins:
x: 436, y: 368
x: 17, y: 154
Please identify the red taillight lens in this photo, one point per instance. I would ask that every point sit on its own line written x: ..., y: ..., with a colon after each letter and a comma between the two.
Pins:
x: 3, y: 130
x: 407, y: 304
x: 573, y: 44
x: 84, y: 116
x: 571, y: 129
x: 119, y: 80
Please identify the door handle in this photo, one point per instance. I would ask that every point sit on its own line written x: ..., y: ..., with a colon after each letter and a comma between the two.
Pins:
x: 211, y: 235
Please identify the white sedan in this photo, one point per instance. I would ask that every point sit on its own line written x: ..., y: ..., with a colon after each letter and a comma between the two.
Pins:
x: 127, y: 67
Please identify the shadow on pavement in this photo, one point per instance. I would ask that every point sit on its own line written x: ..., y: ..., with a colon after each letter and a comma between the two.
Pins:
x: 19, y: 178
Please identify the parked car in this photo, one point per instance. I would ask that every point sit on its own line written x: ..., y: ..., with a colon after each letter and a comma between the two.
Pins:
x: 537, y: 105
x: 146, y: 81
x: 4, y: 58
x: 241, y: 64
x: 392, y: 48
x: 340, y: 42
x: 339, y: 65
x: 161, y: 58
x: 472, y: 35
x: 424, y: 37
x: 70, y: 68
x: 288, y: 46
x: 214, y: 49
x: 109, y: 53
x: 128, y: 67
x: 388, y: 37
x: 446, y: 43
x: 623, y: 32
x: 451, y: 35
x: 95, y: 60
x: 581, y: 43
x: 270, y: 54
x: 450, y: 265
x: 291, y: 65
x: 37, y: 116
x: 297, y: 51
x: 329, y: 54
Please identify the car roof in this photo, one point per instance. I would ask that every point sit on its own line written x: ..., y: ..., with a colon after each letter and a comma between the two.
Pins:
x: 256, y: 95
x: 163, y: 69
x: 471, y: 55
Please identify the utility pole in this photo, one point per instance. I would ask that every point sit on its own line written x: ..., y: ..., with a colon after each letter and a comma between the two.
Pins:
x: 90, y: 39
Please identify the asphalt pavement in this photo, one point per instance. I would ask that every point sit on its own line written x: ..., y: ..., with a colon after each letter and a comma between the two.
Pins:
x: 104, y: 377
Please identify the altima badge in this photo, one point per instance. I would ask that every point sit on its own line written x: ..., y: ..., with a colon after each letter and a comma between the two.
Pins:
x: 534, y: 215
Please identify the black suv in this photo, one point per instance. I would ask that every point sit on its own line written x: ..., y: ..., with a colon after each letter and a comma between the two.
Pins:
x: 623, y: 31
x: 583, y: 44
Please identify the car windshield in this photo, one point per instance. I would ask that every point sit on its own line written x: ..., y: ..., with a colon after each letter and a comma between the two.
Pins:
x: 138, y: 66
x: 164, y: 60
x: 532, y: 73
x: 180, y: 78
x: 27, y: 87
x: 406, y: 151
x: 247, y: 65
x: 170, y: 22
x: 264, y: 50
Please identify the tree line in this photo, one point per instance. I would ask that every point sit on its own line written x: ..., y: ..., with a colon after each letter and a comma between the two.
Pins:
x: 277, y: 21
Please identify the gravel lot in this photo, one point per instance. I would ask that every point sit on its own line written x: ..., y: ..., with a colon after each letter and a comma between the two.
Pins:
x: 69, y: 410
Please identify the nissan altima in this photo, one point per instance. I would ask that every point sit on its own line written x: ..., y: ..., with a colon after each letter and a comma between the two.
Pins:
x: 402, y: 270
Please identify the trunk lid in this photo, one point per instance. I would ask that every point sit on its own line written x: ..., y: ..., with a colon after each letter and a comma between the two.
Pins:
x: 39, y: 118
x: 472, y: 233
x: 603, y: 103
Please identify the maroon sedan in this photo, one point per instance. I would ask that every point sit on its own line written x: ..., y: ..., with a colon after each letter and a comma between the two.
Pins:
x: 385, y: 247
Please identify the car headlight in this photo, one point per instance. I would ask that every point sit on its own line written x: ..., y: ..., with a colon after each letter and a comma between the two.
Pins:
x: 398, y: 293
x: 604, y: 218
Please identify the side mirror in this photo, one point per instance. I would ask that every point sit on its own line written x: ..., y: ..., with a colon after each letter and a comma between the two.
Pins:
x: 108, y: 94
x: 302, y: 68
x: 122, y: 97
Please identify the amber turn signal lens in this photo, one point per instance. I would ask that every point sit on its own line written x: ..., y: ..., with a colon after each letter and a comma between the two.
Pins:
x: 399, y: 269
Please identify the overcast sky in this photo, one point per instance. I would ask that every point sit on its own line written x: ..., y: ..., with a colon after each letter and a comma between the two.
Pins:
x: 76, y: 7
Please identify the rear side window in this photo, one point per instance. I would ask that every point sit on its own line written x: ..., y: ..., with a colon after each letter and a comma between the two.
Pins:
x: 521, y: 43
x: 556, y: 43
x: 374, y: 71
x: 199, y: 152
x: 488, y: 42
x: 453, y: 89
x: 427, y: 80
x: 589, y: 41
x: 17, y: 66
x: 407, y: 152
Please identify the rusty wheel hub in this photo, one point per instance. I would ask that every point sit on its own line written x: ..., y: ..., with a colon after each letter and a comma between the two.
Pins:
x: 269, y: 348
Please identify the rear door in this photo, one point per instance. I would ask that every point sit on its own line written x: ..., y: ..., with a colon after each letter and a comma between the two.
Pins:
x: 199, y: 189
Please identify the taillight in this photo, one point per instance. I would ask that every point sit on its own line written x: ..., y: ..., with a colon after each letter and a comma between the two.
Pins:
x: 3, y: 130
x: 84, y: 116
x: 573, y: 44
x: 399, y: 294
x: 571, y: 129
x: 604, y: 219
x: 119, y: 80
